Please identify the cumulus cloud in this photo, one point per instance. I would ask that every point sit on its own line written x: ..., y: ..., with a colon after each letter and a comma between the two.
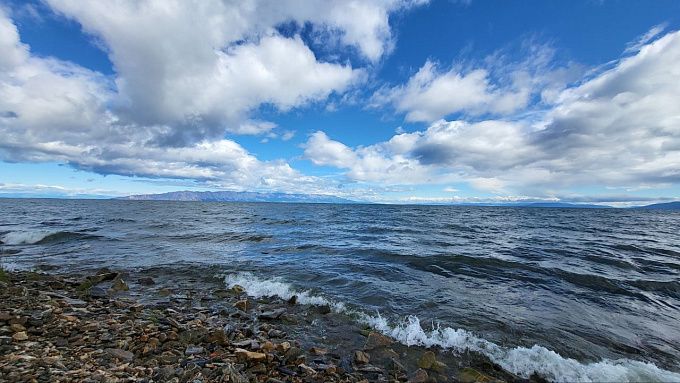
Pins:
x: 186, y: 73
x: 618, y: 128
x: 500, y: 87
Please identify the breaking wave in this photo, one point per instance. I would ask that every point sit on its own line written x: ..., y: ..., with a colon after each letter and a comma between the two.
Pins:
x: 521, y: 361
x: 41, y: 237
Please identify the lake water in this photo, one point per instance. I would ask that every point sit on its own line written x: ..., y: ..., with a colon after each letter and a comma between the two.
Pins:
x: 576, y: 294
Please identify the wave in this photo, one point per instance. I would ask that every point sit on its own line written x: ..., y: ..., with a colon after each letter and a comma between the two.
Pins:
x: 41, y: 237
x: 522, y: 361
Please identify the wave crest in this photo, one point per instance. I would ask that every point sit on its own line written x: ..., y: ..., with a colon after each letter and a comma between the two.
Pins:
x: 521, y: 361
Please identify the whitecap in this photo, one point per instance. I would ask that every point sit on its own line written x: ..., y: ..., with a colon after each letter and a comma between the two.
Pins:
x: 522, y: 361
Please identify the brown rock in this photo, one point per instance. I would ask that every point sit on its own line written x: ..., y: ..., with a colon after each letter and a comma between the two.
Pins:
x: 250, y: 356
x: 470, y: 375
x: 420, y: 376
x: 20, y: 336
x: 242, y: 305
x: 427, y: 360
x: 16, y: 327
x: 376, y: 340
x: 318, y: 351
x: 119, y: 285
x: 118, y: 353
x: 361, y: 357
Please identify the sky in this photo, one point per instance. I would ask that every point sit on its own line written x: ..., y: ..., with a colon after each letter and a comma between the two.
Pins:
x: 394, y: 101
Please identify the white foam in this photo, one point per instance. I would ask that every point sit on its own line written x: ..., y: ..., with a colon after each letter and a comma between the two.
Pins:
x: 25, y: 237
x: 257, y: 287
x: 521, y: 361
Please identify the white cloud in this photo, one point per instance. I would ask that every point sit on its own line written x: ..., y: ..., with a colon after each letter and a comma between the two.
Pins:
x: 500, y: 87
x: 619, y: 128
x: 185, y: 73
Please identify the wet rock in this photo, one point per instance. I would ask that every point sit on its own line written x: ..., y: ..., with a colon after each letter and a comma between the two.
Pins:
x: 146, y: 281
x: 16, y: 327
x: 119, y: 285
x: 248, y: 343
x: 20, y: 336
x: 293, y: 300
x: 293, y: 354
x: 376, y: 340
x: 470, y: 375
x: 5, y: 340
x: 238, y: 289
x: 271, y: 315
x: 283, y: 347
x: 361, y: 357
x: 242, y: 305
x: 165, y: 292
x: 439, y: 366
x: 306, y: 370
x: 420, y: 376
x: 427, y: 360
x: 318, y: 351
x: 274, y: 333
x: 120, y: 354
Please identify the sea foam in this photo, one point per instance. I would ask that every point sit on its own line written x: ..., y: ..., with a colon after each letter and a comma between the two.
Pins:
x: 27, y: 237
x: 521, y: 361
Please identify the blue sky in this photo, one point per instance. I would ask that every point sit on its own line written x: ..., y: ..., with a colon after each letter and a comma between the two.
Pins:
x: 390, y: 101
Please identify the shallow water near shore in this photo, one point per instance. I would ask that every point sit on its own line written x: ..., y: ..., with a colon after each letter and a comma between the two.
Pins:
x: 575, y: 294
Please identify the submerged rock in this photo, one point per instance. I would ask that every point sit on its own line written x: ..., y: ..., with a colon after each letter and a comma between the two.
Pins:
x: 427, y: 360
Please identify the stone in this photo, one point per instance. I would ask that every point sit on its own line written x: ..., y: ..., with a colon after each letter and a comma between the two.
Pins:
x: 283, y: 346
x: 271, y: 315
x: 218, y: 337
x: 361, y: 357
x: 470, y: 375
x: 427, y: 360
x: 242, y: 305
x: 376, y: 340
x: 119, y: 285
x: 193, y: 350
x: 439, y: 367
x: 394, y: 365
x: 238, y: 289
x: 420, y: 376
x: 292, y: 300
x: 16, y: 327
x: 306, y: 369
x: 146, y: 281
x: 293, y: 354
x: 120, y: 354
x: 250, y: 356
x: 20, y: 336
x: 165, y: 292
x: 318, y: 351
x: 248, y: 343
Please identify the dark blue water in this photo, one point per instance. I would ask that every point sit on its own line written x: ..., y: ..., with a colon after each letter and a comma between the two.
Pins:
x: 557, y: 290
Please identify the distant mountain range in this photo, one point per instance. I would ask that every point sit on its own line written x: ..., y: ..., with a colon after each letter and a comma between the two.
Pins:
x: 231, y: 196
x: 675, y: 205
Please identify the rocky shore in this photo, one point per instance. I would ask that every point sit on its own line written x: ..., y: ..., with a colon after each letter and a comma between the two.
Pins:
x: 122, y: 327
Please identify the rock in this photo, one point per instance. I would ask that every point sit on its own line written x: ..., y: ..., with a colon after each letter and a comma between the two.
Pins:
x: 146, y: 281
x: 5, y: 316
x: 306, y: 369
x: 420, y: 376
x: 242, y: 305
x: 271, y: 315
x: 292, y: 300
x: 238, y: 289
x: 470, y: 375
x: 74, y: 302
x: 119, y: 285
x: 376, y: 340
x: 248, y: 343
x: 218, y: 337
x: 439, y: 367
x: 293, y: 354
x: 193, y: 350
x: 16, y: 327
x: 274, y: 333
x: 324, y: 309
x: 394, y: 365
x: 20, y: 336
x: 318, y: 351
x: 250, y: 356
x: 427, y: 360
x: 5, y: 340
x: 120, y: 354
x: 165, y: 292
x: 268, y: 346
x: 361, y: 357
x: 283, y: 347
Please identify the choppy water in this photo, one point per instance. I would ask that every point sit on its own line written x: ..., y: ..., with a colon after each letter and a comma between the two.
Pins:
x: 576, y: 294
